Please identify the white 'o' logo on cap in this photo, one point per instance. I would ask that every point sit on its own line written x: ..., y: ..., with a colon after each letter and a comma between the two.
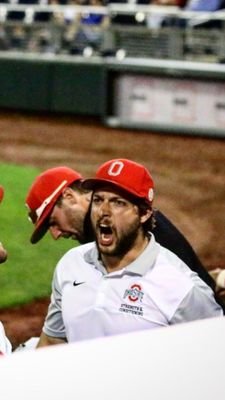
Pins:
x: 150, y: 194
x: 115, y: 168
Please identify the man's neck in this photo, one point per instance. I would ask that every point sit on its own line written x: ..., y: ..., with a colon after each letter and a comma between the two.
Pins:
x: 116, y: 263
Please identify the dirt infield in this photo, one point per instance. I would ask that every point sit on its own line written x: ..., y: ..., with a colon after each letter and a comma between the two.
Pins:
x: 189, y: 174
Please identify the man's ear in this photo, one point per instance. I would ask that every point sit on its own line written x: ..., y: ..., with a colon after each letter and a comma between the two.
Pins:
x: 145, y: 215
x: 67, y: 193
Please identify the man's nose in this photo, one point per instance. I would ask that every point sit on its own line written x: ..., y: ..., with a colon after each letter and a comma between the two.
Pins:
x: 105, y: 208
x: 55, y: 232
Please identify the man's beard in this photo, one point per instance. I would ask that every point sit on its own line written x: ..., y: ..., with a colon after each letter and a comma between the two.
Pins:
x: 124, y: 244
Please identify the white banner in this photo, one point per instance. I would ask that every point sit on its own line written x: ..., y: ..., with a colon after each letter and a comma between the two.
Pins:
x: 187, y: 102
x: 184, y: 361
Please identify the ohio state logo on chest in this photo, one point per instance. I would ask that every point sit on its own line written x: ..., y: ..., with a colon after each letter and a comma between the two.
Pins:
x: 134, y: 293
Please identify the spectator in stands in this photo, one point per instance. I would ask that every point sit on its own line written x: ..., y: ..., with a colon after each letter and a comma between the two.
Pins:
x: 156, y: 20
x: 4, y: 40
x: 203, y: 5
x: 208, y: 6
x: 17, y: 37
x: 177, y: 3
x: 188, y: 5
x: 70, y: 13
x: 86, y: 29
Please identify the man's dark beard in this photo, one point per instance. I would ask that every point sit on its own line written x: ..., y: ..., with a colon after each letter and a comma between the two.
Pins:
x: 125, y: 244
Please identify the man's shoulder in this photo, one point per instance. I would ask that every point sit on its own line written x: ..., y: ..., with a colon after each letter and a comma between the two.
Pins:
x: 78, y: 250
x: 76, y: 253
x: 72, y: 260
x: 169, y: 267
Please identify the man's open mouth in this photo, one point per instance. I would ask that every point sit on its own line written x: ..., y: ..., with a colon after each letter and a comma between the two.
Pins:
x: 105, y: 235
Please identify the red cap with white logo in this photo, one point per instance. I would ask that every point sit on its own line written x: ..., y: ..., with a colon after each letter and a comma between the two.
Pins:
x: 125, y: 174
x: 43, y: 194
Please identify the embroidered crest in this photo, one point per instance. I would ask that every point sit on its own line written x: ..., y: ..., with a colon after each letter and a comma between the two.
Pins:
x: 134, y: 293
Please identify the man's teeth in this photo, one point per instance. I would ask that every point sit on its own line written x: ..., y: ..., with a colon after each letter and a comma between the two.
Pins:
x: 105, y: 228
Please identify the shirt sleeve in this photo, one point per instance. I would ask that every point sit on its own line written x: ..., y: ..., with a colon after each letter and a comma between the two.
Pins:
x: 197, y: 304
x: 54, y: 325
x: 5, y: 345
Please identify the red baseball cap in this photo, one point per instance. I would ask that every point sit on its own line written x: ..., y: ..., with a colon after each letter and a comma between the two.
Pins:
x: 43, y: 194
x: 128, y: 175
x: 1, y: 193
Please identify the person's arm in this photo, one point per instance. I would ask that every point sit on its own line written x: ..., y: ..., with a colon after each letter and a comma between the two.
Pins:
x: 53, y: 331
x: 46, y: 340
x: 3, y: 254
x: 5, y: 345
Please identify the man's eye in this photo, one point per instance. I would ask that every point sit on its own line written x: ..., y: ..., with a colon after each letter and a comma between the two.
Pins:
x: 96, y: 200
x: 120, y: 203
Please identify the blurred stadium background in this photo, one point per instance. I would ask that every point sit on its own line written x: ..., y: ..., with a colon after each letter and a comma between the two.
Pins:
x: 122, y: 63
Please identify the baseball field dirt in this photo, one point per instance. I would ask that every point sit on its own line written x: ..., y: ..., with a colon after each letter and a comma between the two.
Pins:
x: 189, y: 174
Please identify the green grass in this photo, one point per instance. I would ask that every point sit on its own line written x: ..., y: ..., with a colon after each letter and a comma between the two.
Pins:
x: 27, y: 273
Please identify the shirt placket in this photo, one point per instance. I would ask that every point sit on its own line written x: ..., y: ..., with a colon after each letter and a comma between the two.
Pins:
x: 101, y: 293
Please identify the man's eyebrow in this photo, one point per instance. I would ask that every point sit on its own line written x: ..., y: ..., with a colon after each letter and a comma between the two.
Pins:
x: 112, y: 197
x: 98, y: 195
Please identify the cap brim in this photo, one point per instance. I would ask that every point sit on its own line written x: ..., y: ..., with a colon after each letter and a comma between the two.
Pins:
x: 42, y: 226
x: 94, y: 183
x: 39, y: 232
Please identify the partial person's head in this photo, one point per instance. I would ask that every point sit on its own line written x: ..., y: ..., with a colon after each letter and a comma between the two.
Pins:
x: 3, y: 252
x: 121, y: 208
x: 57, y: 202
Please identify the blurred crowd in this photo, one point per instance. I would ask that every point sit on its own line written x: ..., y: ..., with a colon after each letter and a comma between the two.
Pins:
x: 192, y: 5
x: 74, y: 31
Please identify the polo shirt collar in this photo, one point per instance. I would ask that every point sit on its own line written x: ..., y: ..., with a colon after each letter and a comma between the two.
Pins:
x: 140, y: 266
